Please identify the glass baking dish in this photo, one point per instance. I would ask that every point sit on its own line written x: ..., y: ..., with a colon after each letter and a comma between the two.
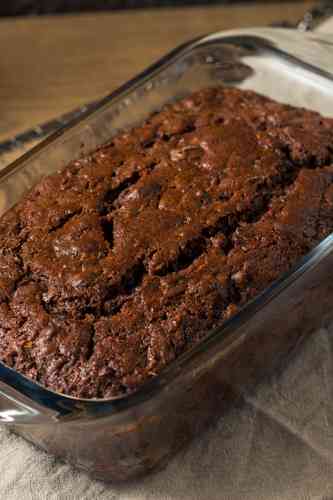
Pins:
x: 128, y: 436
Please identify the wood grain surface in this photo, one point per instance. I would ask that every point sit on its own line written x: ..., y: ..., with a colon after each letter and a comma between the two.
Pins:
x: 50, y: 65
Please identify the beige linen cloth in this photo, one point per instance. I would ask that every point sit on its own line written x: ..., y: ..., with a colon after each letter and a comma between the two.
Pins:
x: 275, y: 445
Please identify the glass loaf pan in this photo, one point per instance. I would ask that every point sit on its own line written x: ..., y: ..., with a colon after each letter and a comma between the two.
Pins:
x: 127, y: 436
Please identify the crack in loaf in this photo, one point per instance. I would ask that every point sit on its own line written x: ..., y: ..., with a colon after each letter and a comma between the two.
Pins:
x: 113, y: 267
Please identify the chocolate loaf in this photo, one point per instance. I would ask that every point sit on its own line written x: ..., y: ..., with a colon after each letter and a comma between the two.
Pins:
x: 113, y: 267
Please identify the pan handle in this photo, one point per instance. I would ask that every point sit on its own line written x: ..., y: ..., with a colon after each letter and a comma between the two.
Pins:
x: 315, y: 19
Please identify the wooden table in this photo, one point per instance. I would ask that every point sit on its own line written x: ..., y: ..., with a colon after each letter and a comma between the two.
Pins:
x: 50, y: 65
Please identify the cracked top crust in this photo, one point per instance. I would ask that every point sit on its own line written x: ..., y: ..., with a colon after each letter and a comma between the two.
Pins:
x: 113, y: 267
